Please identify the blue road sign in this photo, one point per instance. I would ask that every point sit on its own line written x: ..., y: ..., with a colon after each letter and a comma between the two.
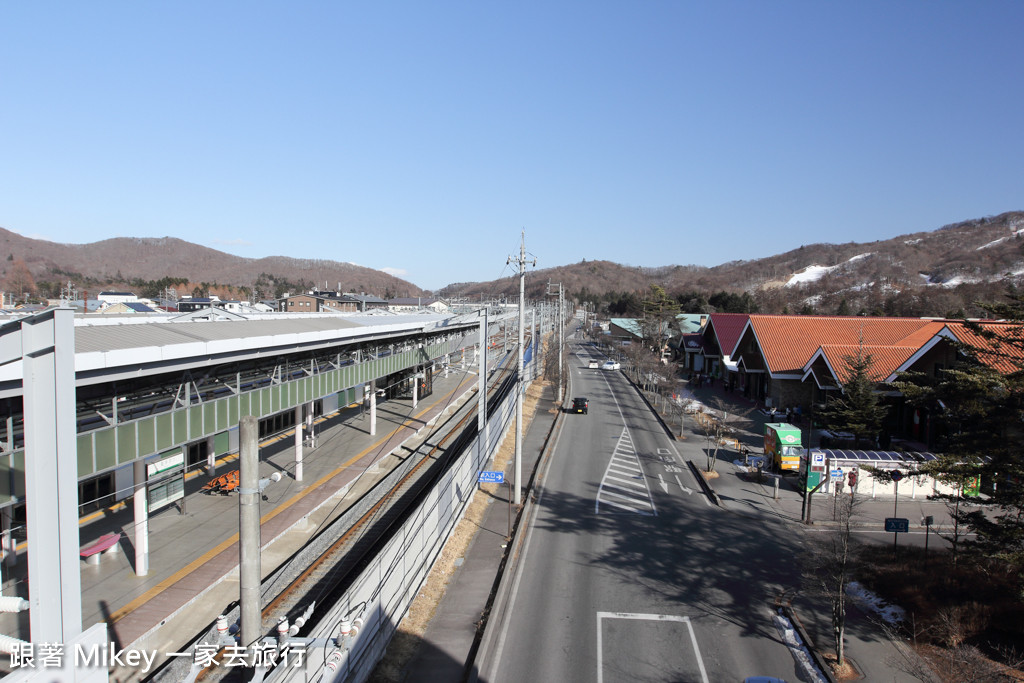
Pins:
x: 489, y: 477
x: 899, y: 525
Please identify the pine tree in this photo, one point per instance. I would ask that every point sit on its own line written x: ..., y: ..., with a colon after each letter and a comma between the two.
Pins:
x: 858, y: 409
x: 981, y: 403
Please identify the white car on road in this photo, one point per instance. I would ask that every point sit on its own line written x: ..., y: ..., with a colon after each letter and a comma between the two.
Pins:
x: 611, y: 365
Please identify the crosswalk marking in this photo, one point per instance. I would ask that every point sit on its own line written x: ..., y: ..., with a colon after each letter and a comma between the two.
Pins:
x: 624, y: 486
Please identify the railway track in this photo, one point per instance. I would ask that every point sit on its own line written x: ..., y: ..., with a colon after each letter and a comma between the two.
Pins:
x: 329, y: 574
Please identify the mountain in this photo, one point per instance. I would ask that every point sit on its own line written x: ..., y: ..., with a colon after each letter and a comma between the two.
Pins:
x: 126, y: 261
x: 942, y: 272
x: 938, y: 273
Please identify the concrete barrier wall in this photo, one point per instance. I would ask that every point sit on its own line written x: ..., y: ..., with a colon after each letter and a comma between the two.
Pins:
x: 382, y: 594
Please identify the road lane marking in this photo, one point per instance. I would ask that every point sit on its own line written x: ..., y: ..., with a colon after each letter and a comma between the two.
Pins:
x: 624, y: 460
x: 689, y: 491
x: 612, y: 495
x: 646, y: 617
x: 633, y: 481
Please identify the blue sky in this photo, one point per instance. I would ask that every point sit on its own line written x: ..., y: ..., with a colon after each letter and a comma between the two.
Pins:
x: 421, y: 138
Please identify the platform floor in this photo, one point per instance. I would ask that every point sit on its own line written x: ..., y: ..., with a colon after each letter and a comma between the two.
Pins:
x: 193, y: 543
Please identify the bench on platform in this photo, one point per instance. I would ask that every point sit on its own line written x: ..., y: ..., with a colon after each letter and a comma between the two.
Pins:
x: 225, y: 483
x: 91, y: 552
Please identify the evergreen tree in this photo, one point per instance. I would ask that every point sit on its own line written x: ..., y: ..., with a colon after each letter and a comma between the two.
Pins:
x: 858, y: 409
x: 966, y: 398
x: 981, y: 401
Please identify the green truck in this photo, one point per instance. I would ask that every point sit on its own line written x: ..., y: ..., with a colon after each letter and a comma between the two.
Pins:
x: 783, y: 446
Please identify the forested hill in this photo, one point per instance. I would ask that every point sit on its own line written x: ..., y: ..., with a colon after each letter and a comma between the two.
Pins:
x: 937, y: 273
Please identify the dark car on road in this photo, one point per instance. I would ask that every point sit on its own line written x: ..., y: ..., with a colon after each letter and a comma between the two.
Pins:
x: 579, y: 405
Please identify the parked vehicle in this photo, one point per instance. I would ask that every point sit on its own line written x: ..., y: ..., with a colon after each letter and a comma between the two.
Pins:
x: 611, y: 365
x: 782, y: 446
x: 580, y: 405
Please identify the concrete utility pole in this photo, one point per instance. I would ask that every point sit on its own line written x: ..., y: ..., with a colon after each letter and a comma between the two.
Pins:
x: 560, y: 322
x: 521, y: 264
x: 481, y: 419
x: 249, y: 530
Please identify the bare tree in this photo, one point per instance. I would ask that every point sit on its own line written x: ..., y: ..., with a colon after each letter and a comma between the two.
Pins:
x: 19, y: 279
x: 955, y: 661
x: 719, y: 425
x: 829, y: 565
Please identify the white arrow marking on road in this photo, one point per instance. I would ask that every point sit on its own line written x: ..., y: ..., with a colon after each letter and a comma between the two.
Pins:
x: 664, y: 486
x: 688, y: 491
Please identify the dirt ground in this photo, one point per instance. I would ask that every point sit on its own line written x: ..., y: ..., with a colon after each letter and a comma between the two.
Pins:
x: 403, y: 646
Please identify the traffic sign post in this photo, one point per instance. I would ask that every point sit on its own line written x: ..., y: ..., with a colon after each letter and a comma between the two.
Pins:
x: 491, y: 477
x: 897, y: 525
x: 896, y: 476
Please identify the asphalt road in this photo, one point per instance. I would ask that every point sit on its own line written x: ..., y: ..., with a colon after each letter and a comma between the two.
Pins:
x: 628, y: 572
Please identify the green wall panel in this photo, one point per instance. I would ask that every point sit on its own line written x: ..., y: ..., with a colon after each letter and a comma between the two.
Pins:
x: 233, y: 415
x: 195, y: 422
x: 146, y: 437
x: 5, y: 479
x: 164, y: 431
x: 18, y: 466
x: 221, y: 443
x: 127, y: 448
x: 84, y: 448
x: 106, y: 454
x: 222, y: 414
x: 180, y: 426
x: 209, y: 419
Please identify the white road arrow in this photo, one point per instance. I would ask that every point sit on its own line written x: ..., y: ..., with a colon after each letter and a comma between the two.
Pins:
x: 664, y: 486
x: 688, y: 491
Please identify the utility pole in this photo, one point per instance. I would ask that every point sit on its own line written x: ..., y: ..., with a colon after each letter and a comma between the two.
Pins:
x: 249, y: 530
x: 559, y: 321
x: 521, y: 264
x: 481, y: 418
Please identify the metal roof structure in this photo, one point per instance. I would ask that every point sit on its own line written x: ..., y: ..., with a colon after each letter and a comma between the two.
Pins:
x: 877, y: 457
x: 136, y: 345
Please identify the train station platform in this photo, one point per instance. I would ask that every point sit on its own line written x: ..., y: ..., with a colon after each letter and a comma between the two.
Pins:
x: 193, y: 543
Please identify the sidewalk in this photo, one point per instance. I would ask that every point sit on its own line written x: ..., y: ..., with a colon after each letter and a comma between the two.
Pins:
x: 874, y: 655
x: 450, y: 641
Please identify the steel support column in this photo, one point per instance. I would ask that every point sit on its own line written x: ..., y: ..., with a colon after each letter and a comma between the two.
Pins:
x: 141, y: 509
x: 51, y: 476
x: 373, y: 408
x: 298, y: 442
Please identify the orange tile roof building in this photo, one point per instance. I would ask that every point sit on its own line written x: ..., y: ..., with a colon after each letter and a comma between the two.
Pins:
x: 786, y: 361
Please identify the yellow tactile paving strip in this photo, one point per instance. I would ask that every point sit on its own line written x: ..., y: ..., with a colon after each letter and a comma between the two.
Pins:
x: 194, y: 568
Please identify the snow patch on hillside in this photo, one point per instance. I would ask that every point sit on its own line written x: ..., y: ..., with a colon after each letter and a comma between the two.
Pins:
x: 813, y: 273
x: 1015, y: 233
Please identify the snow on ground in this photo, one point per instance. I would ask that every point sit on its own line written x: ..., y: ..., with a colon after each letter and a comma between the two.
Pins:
x: 865, y: 599
x: 813, y: 273
x: 809, y: 274
x: 991, y: 244
x: 951, y: 282
x: 1015, y: 233
x: 959, y: 279
x: 799, y: 651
